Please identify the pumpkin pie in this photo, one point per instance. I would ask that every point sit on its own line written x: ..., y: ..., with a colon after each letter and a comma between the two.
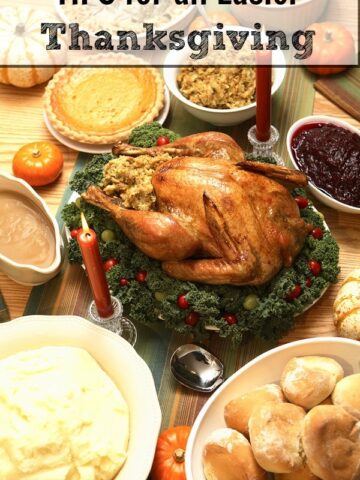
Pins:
x: 103, y: 105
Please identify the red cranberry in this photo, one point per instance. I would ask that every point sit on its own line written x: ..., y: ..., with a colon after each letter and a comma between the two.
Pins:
x: 183, y: 304
x: 192, y: 319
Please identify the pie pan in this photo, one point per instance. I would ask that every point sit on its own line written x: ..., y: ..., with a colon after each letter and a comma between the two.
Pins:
x: 98, y: 148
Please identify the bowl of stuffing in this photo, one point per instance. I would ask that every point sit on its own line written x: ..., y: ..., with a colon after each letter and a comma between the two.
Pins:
x: 218, y: 94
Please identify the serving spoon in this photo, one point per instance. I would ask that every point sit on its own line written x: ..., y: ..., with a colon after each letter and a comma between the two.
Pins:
x: 196, y: 368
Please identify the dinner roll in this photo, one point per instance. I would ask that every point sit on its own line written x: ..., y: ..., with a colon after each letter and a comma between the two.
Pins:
x: 331, y: 441
x: 227, y: 455
x: 275, y: 436
x: 347, y: 394
x: 302, y: 474
x: 307, y: 381
x: 238, y: 411
x: 347, y: 307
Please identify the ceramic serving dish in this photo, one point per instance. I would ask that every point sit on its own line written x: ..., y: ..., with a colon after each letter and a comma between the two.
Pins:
x: 319, y: 194
x: 287, y: 18
x: 23, y: 273
x: 266, y: 368
x: 216, y: 116
x: 119, y: 360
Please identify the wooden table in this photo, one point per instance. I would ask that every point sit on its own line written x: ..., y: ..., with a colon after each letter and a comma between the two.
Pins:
x: 21, y: 122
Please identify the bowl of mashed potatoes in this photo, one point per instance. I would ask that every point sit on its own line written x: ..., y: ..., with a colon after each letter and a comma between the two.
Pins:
x: 76, y: 403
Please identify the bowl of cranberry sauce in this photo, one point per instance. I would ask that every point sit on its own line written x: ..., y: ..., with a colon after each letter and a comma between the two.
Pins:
x: 327, y: 150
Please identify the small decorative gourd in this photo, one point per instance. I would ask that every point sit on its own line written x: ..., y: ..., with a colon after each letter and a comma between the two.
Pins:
x: 347, y: 307
x: 23, y: 45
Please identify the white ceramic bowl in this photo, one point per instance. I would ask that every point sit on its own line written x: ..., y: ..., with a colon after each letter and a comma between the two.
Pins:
x: 23, y: 273
x: 288, y: 18
x: 119, y: 360
x: 264, y: 369
x: 323, y: 197
x: 215, y: 116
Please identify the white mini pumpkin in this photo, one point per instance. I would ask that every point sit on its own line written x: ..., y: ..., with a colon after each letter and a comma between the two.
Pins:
x: 347, y: 307
x: 21, y: 43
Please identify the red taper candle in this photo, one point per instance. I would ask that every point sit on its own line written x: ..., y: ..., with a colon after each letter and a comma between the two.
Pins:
x: 263, y: 94
x: 91, y: 257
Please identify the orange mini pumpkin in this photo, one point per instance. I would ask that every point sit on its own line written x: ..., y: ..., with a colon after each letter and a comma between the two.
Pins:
x: 38, y: 163
x: 333, y: 48
x: 170, y: 454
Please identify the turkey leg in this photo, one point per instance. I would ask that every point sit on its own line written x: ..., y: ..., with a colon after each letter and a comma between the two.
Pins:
x: 156, y: 234
x: 276, y: 172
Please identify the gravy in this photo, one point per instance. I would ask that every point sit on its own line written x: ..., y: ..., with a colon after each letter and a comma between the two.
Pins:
x: 26, y: 235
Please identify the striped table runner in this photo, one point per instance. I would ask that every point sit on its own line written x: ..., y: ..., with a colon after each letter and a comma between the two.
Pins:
x: 4, y: 312
x: 69, y: 292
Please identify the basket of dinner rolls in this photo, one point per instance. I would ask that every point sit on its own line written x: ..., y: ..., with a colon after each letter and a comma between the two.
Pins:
x: 304, y: 426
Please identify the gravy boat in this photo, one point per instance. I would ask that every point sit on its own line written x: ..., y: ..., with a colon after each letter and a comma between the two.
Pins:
x: 27, y: 274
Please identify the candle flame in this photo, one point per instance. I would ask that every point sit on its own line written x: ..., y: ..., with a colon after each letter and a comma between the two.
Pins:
x: 84, y: 223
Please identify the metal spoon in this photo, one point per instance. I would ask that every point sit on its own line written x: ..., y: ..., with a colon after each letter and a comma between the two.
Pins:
x: 196, y: 368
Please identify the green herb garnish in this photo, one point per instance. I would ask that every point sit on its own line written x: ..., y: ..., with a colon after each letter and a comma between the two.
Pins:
x: 270, y: 317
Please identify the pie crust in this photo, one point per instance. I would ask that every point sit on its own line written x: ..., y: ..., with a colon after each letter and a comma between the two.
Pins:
x: 103, y: 105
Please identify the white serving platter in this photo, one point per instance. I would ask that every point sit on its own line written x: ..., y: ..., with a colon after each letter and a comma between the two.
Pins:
x: 266, y: 368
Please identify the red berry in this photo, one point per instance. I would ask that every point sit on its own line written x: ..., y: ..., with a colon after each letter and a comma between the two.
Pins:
x: 192, y: 319
x: 162, y: 141
x: 308, y: 282
x: 302, y: 202
x: 317, y: 233
x: 141, y: 276
x: 75, y: 232
x: 294, y: 293
x: 183, y: 304
x: 123, y: 282
x: 230, y: 318
x: 315, y: 267
x: 110, y: 263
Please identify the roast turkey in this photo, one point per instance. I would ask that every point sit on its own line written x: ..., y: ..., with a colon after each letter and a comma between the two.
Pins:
x: 219, y: 218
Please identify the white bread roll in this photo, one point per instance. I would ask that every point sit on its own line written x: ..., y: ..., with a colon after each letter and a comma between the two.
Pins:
x: 307, y: 381
x: 302, y: 474
x: 347, y: 394
x: 227, y: 455
x: 238, y: 411
x: 347, y: 307
x: 275, y: 437
x: 331, y: 441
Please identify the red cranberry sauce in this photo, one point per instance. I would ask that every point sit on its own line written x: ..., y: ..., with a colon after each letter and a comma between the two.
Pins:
x: 330, y: 156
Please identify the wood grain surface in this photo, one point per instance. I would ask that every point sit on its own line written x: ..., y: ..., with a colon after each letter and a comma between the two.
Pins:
x: 21, y: 122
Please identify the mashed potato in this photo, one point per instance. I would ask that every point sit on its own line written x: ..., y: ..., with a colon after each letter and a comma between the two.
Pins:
x: 61, y: 417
